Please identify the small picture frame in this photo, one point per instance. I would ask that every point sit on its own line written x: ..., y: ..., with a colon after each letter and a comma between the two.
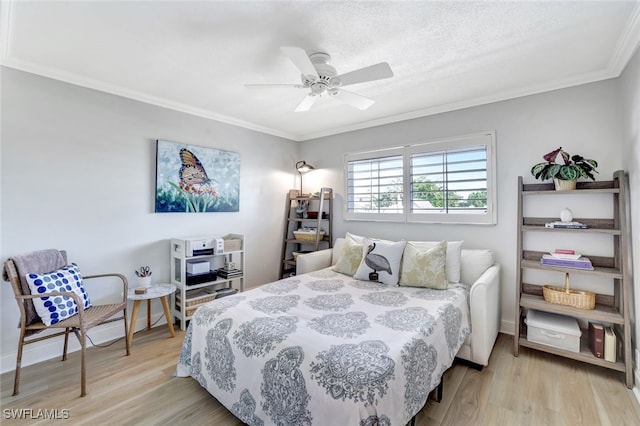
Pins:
x: 294, y: 193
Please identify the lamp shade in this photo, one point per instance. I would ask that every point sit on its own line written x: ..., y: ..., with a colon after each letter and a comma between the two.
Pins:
x: 304, y: 167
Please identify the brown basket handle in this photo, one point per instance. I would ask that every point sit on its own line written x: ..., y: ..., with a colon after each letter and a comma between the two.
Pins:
x: 566, y: 282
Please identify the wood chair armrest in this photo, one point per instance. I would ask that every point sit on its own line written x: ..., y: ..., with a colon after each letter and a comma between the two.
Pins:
x: 125, y: 282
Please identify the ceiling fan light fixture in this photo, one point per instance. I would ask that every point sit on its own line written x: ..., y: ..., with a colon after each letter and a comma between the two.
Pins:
x: 319, y: 77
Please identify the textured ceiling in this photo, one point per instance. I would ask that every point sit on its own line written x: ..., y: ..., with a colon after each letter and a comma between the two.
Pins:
x: 197, y: 56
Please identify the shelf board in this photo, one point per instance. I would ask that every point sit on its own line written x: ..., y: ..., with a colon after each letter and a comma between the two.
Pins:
x: 542, y: 228
x: 584, y: 355
x: 296, y: 241
x: 596, y: 187
x: 297, y: 219
x: 574, y: 191
x: 597, y: 270
x: 206, y: 256
x: 601, y: 312
x: 218, y: 281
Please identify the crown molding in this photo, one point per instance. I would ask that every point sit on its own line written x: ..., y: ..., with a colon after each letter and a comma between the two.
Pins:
x: 626, y: 47
x: 627, y: 44
x: 469, y: 103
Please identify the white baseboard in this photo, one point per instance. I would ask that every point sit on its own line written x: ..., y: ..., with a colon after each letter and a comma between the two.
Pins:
x: 507, y: 327
x: 52, y: 348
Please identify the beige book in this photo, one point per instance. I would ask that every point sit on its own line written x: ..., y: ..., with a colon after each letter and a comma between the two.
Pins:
x: 609, y: 344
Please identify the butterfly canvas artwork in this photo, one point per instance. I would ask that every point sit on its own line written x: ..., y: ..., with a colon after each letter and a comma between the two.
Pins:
x: 195, y: 179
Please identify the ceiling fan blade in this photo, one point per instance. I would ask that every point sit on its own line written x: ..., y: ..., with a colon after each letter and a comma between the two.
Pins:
x: 259, y: 86
x: 353, y: 99
x: 301, y: 60
x: 370, y: 73
x: 306, y: 103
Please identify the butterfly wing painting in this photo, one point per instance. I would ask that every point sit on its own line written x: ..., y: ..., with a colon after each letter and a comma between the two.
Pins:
x: 196, y: 179
x: 192, y: 171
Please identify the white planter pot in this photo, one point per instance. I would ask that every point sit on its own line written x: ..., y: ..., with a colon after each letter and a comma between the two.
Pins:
x: 564, y: 185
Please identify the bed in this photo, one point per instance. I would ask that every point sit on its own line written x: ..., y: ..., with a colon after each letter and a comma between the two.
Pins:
x: 325, y: 348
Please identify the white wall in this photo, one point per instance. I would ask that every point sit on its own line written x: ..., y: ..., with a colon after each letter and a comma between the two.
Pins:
x: 98, y: 150
x: 584, y: 120
x: 78, y: 173
x: 629, y: 90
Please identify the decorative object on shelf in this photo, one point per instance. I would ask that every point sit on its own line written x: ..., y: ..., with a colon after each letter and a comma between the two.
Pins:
x: 144, y: 276
x: 566, y: 225
x: 301, y: 211
x: 565, y: 296
x: 193, y: 179
x: 564, y: 175
x: 307, y: 235
x: 566, y: 215
x: 303, y: 167
x: 293, y: 193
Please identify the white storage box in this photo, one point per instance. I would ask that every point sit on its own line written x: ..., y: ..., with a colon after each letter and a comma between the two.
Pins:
x: 555, y: 330
x: 195, y: 268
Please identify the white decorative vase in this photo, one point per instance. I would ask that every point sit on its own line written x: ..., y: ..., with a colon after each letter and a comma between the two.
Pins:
x: 144, y: 281
x: 566, y: 215
x: 564, y: 185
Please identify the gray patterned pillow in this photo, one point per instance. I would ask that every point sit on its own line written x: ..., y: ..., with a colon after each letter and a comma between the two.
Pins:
x: 424, y: 267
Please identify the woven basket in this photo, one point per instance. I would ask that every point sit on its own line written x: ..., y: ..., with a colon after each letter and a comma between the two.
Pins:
x: 564, y: 296
x: 307, y: 236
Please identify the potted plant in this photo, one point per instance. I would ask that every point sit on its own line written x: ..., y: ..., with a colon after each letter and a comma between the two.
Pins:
x: 564, y: 174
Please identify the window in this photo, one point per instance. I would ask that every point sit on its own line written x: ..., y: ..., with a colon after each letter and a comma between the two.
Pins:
x: 450, y: 181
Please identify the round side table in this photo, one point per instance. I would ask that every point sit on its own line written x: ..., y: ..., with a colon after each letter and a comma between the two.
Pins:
x: 155, y: 291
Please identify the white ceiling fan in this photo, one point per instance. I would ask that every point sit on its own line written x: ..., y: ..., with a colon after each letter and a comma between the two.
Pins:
x: 321, y: 78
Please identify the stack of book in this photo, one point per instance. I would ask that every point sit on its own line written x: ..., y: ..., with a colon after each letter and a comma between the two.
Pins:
x: 229, y: 273
x: 602, y: 342
x: 565, y: 225
x: 566, y: 259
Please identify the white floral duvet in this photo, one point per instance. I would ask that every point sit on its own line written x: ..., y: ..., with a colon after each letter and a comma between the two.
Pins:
x: 325, y: 349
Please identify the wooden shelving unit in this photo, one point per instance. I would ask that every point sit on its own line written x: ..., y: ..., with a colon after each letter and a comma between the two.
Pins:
x: 188, y: 296
x: 611, y: 309
x: 324, y: 221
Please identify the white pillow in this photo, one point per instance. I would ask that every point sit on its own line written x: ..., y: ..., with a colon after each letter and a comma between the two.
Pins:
x: 424, y: 267
x: 380, y: 261
x: 475, y: 263
x: 454, y: 253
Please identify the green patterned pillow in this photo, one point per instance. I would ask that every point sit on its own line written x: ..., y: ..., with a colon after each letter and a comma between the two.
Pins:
x: 349, y: 257
x: 424, y: 267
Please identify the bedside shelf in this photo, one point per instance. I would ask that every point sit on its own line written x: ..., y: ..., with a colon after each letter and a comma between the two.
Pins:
x: 610, y: 309
x: 290, y: 244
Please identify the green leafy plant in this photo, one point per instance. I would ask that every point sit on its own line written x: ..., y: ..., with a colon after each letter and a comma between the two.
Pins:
x: 572, y: 167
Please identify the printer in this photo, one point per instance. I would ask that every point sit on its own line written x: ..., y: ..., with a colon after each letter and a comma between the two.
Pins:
x: 203, y: 246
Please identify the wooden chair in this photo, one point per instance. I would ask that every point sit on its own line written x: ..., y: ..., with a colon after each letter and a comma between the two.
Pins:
x: 79, y: 324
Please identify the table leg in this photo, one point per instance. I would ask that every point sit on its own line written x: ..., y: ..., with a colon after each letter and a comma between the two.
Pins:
x: 167, y: 314
x: 148, y: 314
x: 134, y: 317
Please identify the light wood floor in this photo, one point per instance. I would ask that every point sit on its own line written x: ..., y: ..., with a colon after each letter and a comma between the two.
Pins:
x: 532, y: 389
